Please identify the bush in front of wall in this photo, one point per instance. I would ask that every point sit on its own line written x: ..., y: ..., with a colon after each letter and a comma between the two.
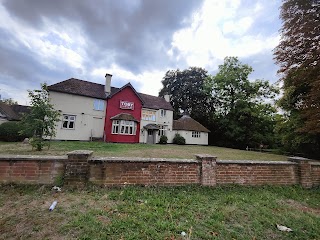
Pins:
x: 178, y: 139
x: 163, y: 139
x: 9, y: 132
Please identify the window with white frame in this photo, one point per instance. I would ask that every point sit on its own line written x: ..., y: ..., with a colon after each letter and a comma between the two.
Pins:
x: 163, y: 112
x: 98, y: 104
x: 115, y: 126
x: 195, y: 134
x: 68, y: 121
x: 149, y: 115
x: 162, y: 130
x: 124, y: 127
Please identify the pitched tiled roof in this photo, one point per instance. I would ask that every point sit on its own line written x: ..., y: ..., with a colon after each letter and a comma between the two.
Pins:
x: 20, y: 109
x: 155, y: 102
x: 13, y: 112
x: 95, y: 90
x: 124, y: 116
x: 80, y: 87
x: 120, y: 89
x: 189, y: 124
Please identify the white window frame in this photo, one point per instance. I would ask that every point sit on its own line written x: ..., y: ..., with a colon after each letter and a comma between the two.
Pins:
x: 148, y: 115
x: 162, y: 130
x: 124, y: 127
x: 163, y: 112
x: 98, y: 105
x: 115, y: 126
x: 196, y: 134
x: 68, y: 119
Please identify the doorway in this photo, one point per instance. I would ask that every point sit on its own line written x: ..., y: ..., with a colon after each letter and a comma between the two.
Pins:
x: 151, y: 136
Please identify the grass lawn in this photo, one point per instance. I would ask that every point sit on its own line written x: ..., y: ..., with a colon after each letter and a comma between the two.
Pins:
x: 140, y: 150
x: 232, y: 212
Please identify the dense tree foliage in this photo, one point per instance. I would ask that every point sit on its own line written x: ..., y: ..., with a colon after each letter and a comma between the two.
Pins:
x: 242, y: 115
x: 41, y: 121
x: 228, y: 104
x: 298, y: 55
x: 186, y: 89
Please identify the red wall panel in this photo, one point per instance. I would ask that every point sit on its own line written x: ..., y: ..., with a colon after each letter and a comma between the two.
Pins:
x: 113, y: 109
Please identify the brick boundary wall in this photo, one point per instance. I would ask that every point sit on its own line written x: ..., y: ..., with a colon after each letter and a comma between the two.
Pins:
x: 110, y: 171
x: 315, y: 173
x: 31, y: 169
x: 79, y: 168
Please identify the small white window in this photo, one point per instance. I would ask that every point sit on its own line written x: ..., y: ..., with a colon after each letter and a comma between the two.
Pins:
x: 195, y: 134
x: 98, y: 105
x: 68, y: 121
x: 162, y: 130
x: 163, y: 112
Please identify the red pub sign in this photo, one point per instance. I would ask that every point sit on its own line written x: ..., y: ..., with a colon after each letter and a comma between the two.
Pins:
x: 126, y: 105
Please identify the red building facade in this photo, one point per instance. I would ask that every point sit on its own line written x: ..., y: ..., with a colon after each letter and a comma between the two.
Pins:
x: 123, y: 115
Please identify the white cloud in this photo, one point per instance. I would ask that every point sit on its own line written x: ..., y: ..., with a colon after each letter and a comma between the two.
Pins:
x: 8, y: 91
x: 238, y: 27
x: 220, y: 29
x: 150, y: 80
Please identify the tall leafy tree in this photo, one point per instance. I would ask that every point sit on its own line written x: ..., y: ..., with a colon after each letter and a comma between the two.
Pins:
x: 41, y: 121
x: 242, y: 115
x: 298, y: 55
x: 186, y: 89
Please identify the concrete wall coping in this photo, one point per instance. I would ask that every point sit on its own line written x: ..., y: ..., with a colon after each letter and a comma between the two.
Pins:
x: 136, y: 159
x: 205, y: 156
x: 255, y: 162
x: 298, y: 159
x: 80, y: 152
x: 315, y: 163
x: 32, y: 157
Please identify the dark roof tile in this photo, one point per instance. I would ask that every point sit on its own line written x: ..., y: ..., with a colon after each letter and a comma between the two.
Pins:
x: 124, y: 116
x: 95, y: 90
x: 189, y: 124
x: 155, y: 102
x: 13, y: 112
x: 80, y: 87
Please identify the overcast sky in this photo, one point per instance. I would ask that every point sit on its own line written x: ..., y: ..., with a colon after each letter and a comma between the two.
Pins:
x: 136, y: 41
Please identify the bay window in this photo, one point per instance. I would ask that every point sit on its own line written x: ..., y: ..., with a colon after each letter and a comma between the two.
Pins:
x: 124, y: 127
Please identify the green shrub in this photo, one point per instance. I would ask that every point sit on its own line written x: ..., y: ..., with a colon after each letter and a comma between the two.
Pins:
x: 163, y: 139
x: 10, y: 132
x: 178, y: 139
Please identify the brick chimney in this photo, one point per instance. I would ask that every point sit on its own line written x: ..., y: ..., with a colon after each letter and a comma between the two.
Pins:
x: 107, y: 87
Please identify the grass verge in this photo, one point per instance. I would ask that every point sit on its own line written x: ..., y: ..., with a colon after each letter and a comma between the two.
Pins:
x: 230, y: 212
x: 140, y: 150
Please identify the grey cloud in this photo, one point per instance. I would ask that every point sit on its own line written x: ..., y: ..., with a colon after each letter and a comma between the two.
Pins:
x: 134, y: 34
x: 138, y: 32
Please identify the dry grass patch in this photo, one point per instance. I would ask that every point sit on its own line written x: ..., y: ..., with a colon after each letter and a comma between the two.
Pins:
x: 140, y: 150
